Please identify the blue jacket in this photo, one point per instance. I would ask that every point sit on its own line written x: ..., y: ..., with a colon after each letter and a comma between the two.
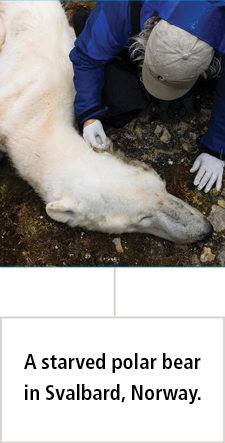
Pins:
x: 108, y: 31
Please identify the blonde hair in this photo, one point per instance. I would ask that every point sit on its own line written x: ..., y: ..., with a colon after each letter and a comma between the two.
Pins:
x: 140, y: 41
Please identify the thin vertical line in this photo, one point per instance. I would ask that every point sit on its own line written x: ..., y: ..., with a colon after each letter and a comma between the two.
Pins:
x: 114, y: 292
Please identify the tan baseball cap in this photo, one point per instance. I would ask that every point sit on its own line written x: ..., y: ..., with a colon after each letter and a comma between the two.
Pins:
x: 173, y: 61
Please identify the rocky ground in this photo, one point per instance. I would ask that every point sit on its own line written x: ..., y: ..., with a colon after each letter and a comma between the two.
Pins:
x: 29, y: 238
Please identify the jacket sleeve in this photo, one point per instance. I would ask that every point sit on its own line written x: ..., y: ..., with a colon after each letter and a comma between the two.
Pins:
x: 213, y: 142
x: 106, y: 32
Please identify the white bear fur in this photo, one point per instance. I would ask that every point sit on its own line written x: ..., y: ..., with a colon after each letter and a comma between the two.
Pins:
x: 78, y: 185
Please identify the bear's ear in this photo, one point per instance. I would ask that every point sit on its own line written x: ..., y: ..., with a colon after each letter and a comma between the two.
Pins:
x: 61, y: 211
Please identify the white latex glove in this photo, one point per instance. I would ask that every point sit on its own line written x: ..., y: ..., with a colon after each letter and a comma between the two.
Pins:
x: 90, y: 133
x: 210, y: 171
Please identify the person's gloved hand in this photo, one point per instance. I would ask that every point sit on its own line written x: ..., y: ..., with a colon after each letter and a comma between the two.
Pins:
x: 210, y: 171
x: 91, y: 131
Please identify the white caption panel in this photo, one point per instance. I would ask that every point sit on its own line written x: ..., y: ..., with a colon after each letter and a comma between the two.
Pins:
x: 56, y: 292
x: 144, y: 401
x: 196, y: 292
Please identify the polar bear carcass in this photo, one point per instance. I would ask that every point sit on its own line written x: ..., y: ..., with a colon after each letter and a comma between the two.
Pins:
x: 79, y: 186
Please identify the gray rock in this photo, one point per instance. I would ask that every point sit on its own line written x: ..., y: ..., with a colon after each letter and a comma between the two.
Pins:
x: 221, y: 256
x: 207, y: 256
x: 221, y: 203
x: 165, y: 138
x: 144, y: 118
x: 138, y: 132
x: 223, y: 192
x: 158, y: 130
x: 114, y: 137
x: 130, y: 126
x: 206, y: 112
x: 117, y: 243
x: 193, y: 136
x: 217, y: 218
x: 186, y: 147
x: 195, y: 260
x: 181, y: 128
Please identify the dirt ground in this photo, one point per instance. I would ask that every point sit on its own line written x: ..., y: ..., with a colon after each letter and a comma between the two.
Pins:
x: 28, y: 237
